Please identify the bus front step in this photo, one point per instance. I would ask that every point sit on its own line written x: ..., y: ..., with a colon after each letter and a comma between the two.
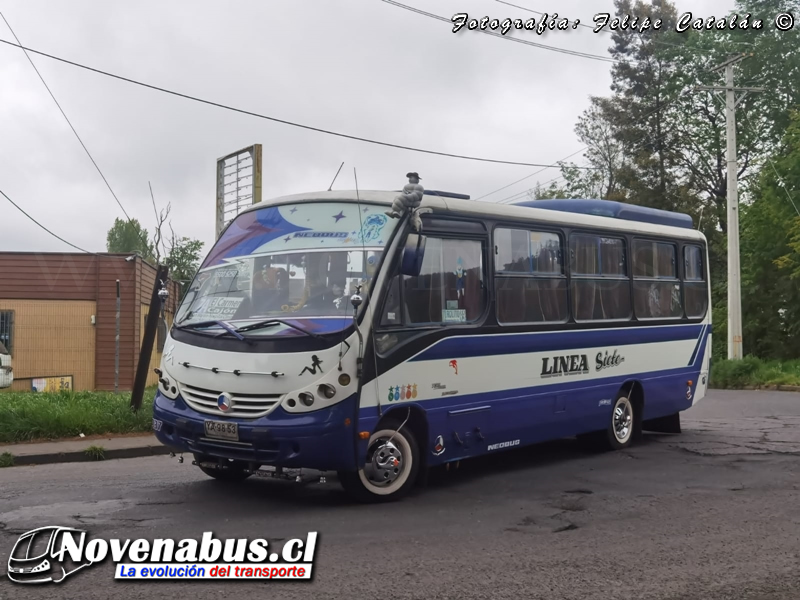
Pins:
x: 296, y: 475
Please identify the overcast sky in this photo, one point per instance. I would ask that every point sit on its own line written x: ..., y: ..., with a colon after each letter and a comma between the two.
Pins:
x: 361, y: 67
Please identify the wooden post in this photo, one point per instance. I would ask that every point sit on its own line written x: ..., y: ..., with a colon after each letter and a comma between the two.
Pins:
x: 116, y: 347
x: 150, y: 329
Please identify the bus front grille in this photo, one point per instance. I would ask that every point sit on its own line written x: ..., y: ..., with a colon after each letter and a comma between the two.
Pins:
x: 245, y: 406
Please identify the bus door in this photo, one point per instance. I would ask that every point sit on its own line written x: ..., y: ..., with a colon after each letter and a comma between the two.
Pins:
x: 427, y: 337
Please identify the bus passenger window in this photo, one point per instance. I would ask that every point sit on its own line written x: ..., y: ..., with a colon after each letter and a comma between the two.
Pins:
x: 530, y: 284
x: 695, y: 288
x: 656, y: 288
x: 449, y: 288
x: 600, y: 285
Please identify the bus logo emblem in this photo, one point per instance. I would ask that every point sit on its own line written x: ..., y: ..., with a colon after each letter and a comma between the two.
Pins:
x: 402, y: 392
x: 224, y: 402
x: 575, y: 364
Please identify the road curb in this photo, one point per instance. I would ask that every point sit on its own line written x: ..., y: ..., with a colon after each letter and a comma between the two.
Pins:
x: 81, y: 455
x: 764, y: 388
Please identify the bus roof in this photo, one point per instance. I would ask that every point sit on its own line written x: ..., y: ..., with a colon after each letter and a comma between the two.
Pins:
x: 583, y: 212
x: 615, y: 210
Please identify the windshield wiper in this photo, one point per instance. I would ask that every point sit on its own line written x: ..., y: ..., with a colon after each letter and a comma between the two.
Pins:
x: 271, y: 322
x: 229, y: 328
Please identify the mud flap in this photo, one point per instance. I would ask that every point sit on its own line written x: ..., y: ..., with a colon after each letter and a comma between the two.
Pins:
x: 669, y: 424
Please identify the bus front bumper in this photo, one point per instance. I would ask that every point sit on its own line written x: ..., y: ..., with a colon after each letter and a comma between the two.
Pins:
x: 317, y: 440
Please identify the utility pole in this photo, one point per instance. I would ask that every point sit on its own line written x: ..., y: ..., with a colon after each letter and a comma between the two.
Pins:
x: 734, y: 268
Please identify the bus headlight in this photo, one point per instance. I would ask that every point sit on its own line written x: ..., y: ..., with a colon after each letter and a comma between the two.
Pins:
x: 307, y: 398
x: 327, y: 390
x: 166, y: 386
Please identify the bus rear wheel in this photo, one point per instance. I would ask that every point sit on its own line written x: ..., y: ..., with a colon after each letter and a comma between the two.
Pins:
x: 391, y: 467
x: 620, y: 431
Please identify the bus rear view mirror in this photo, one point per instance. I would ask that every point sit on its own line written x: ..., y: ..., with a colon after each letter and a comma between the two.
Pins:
x: 413, y: 253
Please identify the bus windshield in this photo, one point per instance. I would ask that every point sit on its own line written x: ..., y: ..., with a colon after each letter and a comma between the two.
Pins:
x: 291, y: 262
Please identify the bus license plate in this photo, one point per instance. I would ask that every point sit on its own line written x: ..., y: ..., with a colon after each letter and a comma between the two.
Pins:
x: 222, y: 430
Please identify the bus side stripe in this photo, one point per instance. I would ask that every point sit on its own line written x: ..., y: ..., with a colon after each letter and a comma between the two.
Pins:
x: 471, y: 346
x: 454, y: 402
x: 700, y: 340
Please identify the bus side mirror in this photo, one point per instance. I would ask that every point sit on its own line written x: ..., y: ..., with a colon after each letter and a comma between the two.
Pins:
x: 413, y: 253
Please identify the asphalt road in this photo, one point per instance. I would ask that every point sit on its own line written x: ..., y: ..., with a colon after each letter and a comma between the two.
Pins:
x: 712, y: 513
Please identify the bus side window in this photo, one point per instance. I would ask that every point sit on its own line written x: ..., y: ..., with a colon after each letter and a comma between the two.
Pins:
x: 695, y: 287
x: 530, y: 283
x: 600, y: 284
x: 656, y: 288
x: 450, y: 287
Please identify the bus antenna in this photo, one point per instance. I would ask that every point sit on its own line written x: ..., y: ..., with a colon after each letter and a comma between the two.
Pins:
x: 330, y: 187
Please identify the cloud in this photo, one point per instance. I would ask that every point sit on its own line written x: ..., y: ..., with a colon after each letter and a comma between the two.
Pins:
x: 362, y: 68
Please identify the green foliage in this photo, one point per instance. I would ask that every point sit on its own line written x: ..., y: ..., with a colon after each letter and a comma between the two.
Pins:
x: 129, y: 236
x: 753, y: 372
x: 6, y: 460
x: 182, y: 254
x: 183, y: 259
x: 26, y: 416
x: 770, y: 251
x: 657, y: 141
x: 95, y: 452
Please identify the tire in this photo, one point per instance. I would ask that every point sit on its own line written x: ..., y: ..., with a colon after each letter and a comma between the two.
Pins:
x: 378, y: 480
x: 234, y: 470
x: 620, y: 432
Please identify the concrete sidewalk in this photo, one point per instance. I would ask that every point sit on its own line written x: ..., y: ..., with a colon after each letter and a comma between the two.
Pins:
x: 75, y: 450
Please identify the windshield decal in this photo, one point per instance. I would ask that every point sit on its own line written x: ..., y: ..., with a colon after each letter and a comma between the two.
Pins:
x: 299, y: 227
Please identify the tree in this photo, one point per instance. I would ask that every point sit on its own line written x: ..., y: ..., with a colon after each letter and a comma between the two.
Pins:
x: 129, y: 236
x: 180, y: 254
x: 771, y: 255
x: 183, y: 258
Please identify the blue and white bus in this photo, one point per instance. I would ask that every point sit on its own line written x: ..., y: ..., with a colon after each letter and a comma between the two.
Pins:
x: 322, y: 334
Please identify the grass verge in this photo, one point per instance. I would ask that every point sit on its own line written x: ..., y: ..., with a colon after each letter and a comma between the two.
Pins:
x: 26, y: 416
x: 753, y: 372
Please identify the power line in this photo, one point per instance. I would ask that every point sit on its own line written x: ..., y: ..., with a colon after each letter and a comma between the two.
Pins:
x: 781, y: 182
x: 282, y: 121
x: 642, y: 138
x: 49, y: 91
x: 19, y: 208
x: 501, y: 36
x: 520, y: 195
x: 585, y: 25
x: 529, y: 176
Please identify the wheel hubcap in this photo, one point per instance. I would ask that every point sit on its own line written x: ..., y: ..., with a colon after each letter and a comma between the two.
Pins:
x: 622, y: 420
x: 384, y: 463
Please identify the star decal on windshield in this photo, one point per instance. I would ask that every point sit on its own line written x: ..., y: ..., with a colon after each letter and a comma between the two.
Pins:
x: 339, y: 216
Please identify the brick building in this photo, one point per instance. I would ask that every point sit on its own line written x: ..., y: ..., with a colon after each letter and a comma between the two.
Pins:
x: 58, y: 318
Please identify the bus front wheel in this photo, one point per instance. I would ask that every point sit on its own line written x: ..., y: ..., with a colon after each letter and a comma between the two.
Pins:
x: 390, y: 469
